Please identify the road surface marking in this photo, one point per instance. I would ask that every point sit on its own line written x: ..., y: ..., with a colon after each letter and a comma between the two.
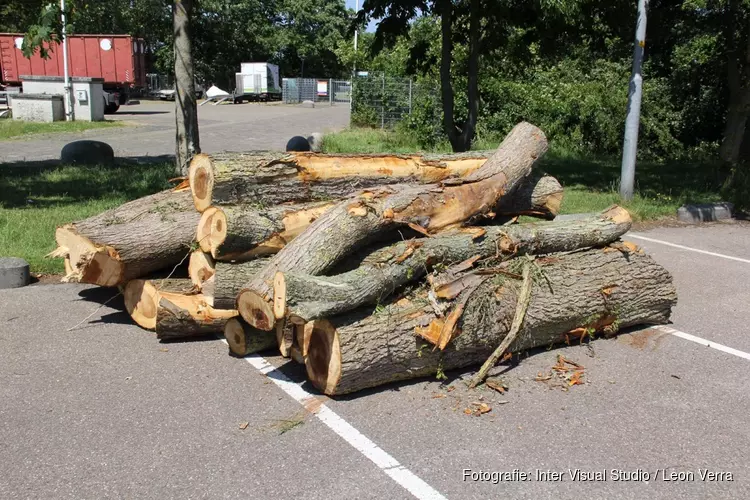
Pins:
x: 683, y: 247
x: 359, y: 441
x: 702, y: 341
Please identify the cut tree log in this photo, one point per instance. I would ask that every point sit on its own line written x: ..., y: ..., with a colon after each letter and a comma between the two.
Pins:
x: 200, y: 267
x: 222, y: 288
x: 186, y: 316
x: 305, y: 298
x: 129, y: 241
x: 576, y: 294
x: 243, y: 232
x: 243, y: 339
x: 270, y: 178
x: 203, y: 233
x: 538, y: 196
x: 428, y: 208
x: 142, y: 297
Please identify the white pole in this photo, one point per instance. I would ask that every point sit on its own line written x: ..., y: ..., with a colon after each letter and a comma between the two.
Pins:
x: 356, y: 33
x: 66, y: 76
x: 630, y: 144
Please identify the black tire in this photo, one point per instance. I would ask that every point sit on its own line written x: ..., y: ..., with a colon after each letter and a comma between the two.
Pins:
x: 111, y: 109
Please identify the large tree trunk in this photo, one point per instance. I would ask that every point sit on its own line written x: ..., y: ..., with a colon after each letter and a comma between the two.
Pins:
x: 129, y: 241
x: 305, y: 298
x: 738, y: 79
x: 267, y: 178
x: 602, y: 289
x: 243, y: 232
x: 186, y: 109
x: 428, y: 208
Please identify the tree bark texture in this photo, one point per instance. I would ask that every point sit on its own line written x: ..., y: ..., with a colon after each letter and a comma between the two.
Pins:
x: 129, y: 241
x: 600, y: 289
x: 186, y: 109
x: 427, y: 208
x: 305, y: 298
x: 222, y: 288
x: 268, y: 178
x: 242, y: 232
x: 243, y: 339
x: 142, y: 297
x: 186, y: 316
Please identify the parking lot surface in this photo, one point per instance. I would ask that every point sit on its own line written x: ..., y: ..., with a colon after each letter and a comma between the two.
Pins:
x: 106, y: 411
x: 150, y: 129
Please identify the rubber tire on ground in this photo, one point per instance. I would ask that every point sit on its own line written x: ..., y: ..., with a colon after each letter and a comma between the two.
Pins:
x: 14, y: 272
x: 298, y: 143
x: 87, y: 152
x: 111, y: 109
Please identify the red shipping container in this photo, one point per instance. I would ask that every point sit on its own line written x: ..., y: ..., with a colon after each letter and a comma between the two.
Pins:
x: 119, y: 59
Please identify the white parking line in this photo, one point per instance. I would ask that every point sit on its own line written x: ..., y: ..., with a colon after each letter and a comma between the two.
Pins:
x: 683, y: 247
x: 702, y: 341
x: 403, y: 476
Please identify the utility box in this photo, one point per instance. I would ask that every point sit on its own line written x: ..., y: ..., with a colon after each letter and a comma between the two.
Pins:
x: 88, y: 94
x: 38, y: 107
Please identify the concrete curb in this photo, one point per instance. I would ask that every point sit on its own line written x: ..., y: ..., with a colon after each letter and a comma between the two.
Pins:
x: 14, y: 272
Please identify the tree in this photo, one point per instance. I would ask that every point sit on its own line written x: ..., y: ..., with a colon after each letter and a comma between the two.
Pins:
x: 186, y: 108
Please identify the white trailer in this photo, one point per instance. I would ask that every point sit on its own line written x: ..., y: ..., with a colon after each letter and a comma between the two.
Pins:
x: 257, y: 81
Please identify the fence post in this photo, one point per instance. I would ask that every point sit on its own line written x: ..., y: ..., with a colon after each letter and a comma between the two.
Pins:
x: 330, y: 90
x: 409, y: 96
x: 382, y: 106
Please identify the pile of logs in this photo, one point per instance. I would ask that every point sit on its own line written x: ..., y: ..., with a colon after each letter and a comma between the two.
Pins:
x: 370, y: 269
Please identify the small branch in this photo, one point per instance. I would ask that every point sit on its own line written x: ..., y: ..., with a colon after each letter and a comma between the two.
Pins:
x: 524, y: 297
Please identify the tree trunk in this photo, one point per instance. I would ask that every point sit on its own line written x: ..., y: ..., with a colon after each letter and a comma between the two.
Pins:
x: 428, y: 208
x: 535, y: 196
x: 186, y: 316
x: 186, y: 109
x: 267, y: 178
x: 243, y: 232
x: 243, y: 339
x: 222, y: 288
x: 130, y: 241
x: 602, y: 289
x: 305, y: 298
x: 738, y: 80
x: 142, y: 297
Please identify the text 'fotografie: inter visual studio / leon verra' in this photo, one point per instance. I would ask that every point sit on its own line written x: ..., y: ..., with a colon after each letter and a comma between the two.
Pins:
x: 615, y: 475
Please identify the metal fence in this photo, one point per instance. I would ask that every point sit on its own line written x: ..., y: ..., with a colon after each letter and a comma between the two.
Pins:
x: 381, y: 101
x: 318, y: 90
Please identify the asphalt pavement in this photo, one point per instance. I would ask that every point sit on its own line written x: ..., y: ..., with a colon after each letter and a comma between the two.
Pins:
x: 106, y: 411
x: 150, y: 130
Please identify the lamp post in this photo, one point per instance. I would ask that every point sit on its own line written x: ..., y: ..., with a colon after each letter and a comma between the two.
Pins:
x: 630, y: 144
x: 66, y: 76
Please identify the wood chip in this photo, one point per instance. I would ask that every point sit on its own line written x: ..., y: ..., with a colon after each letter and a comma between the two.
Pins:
x: 243, y: 425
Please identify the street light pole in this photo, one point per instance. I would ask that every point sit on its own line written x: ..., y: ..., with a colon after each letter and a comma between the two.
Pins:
x: 66, y: 76
x: 630, y: 144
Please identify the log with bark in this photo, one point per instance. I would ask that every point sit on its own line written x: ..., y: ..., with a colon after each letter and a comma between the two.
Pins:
x: 243, y: 339
x: 269, y: 178
x: 200, y: 267
x: 305, y: 298
x: 227, y: 279
x: 574, y: 294
x: 242, y: 232
x: 129, y: 241
x: 428, y: 208
x: 142, y: 297
x: 180, y: 317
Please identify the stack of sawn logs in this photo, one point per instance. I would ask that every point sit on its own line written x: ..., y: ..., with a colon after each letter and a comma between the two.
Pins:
x: 370, y: 268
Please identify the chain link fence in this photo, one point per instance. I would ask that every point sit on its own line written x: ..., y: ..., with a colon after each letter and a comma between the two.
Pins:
x: 383, y: 102
x: 317, y: 90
